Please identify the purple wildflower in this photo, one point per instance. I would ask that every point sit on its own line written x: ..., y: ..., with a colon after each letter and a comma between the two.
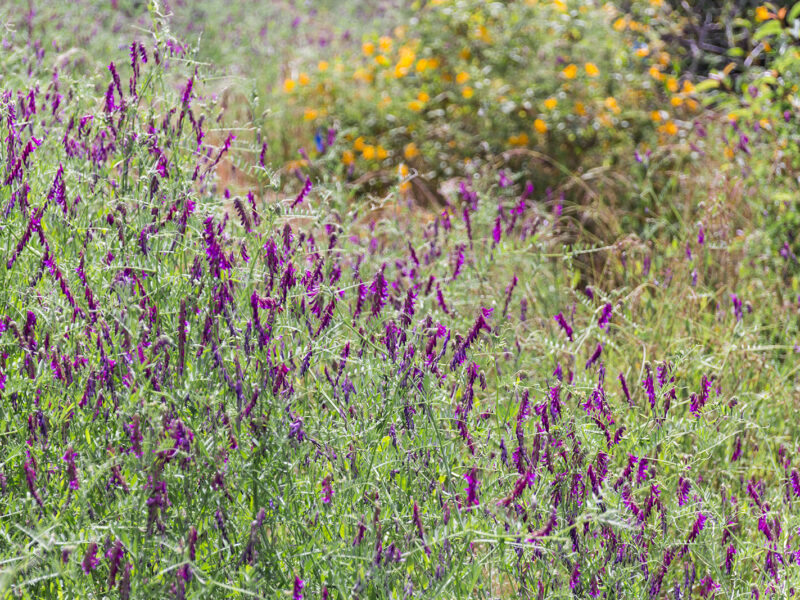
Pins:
x: 698, y: 526
x: 497, y: 231
x: 564, y: 325
x: 625, y: 391
x: 90, y: 560
x: 729, y: 554
x: 605, y: 316
x: 737, y: 306
x: 72, y: 469
x: 472, y: 487
x: 297, y: 592
x: 327, y: 490
x: 595, y: 355
x: 303, y: 193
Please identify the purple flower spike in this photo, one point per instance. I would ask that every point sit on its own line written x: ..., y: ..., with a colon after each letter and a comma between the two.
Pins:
x: 90, y: 560
x: 605, y: 316
x: 472, y: 487
x: 299, y: 584
x: 595, y: 355
x: 564, y: 325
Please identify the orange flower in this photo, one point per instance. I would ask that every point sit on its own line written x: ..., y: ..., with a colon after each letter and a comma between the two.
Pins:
x: 591, y: 69
x: 540, y: 126
x: 410, y: 151
x: 570, y: 71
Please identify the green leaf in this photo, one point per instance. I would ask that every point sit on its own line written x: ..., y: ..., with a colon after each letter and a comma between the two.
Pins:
x: 706, y: 84
x: 769, y: 28
x: 793, y: 13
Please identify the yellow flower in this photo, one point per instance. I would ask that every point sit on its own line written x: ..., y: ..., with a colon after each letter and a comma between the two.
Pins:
x: 560, y: 6
x: 416, y: 105
x: 672, y: 84
x: 348, y: 158
x: 382, y: 60
x: 611, y: 104
x: 465, y: 54
x: 433, y: 63
x: 620, y: 24
x: 310, y: 114
x: 729, y: 153
x: 642, y: 51
x: 359, y: 144
x: 381, y: 152
x: 519, y: 140
x: 422, y: 64
x: 688, y: 87
x: 592, y: 70
x: 368, y: 152
x: 368, y: 48
x: 570, y: 71
x: 692, y: 104
x: 669, y: 128
x: 762, y: 13
x: 410, y: 151
x: 407, y: 56
x: 462, y: 77
x: 550, y: 103
x: 655, y: 116
x: 288, y: 85
x: 540, y: 126
x: 656, y: 74
x: 468, y: 92
x: 483, y: 34
x: 580, y: 109
x: 322, y: 65
x: 303, y: 79
x: 676, y: 101
x: 385, y: 44
x: 423, y: 97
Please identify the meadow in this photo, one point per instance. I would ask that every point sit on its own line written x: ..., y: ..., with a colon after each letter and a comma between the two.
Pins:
x: 433, y: 299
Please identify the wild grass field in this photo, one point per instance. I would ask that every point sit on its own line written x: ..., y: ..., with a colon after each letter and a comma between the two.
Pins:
x: 435, y: 299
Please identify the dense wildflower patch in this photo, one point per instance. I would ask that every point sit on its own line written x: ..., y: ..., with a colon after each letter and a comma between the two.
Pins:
x: 260, y: 390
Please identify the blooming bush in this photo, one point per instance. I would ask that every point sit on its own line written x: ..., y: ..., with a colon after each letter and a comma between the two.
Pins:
x: 464, y: 81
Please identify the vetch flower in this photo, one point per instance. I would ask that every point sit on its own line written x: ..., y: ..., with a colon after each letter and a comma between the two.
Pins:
x: 605, y: 316
x: 297, y: 592
x: 90, y: 560
x: 564, y: 325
